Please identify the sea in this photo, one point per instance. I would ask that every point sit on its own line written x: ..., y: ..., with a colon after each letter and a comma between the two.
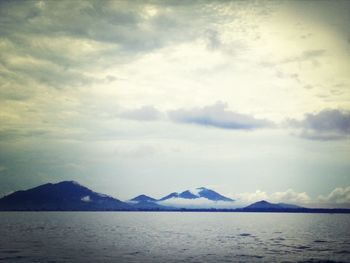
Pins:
x: 173, y: 237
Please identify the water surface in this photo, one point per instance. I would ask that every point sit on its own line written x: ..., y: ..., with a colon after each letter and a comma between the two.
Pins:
x: 173, y: 237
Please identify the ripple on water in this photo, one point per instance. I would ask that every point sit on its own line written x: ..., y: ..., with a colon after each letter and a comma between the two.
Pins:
x: 343, y: 252
x: 250, y: 256
x: 320, y: 241
x: 8, y: 259
x: 10, y: 251
x: 278, y: 239
x: 314, y: 260
x: 245, y: 235
x: 302, y: 247
x: 134, y: 253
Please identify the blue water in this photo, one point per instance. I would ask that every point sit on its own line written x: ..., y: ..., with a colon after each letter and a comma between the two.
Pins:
x: 173, y: 237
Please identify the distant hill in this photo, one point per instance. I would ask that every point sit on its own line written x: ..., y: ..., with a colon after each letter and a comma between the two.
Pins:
x: 63, y: 196
x: 144, y: 202
x: 266, y: 206
x: 143, y: 198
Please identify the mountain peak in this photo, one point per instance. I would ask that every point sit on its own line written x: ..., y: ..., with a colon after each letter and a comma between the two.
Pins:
x: 200, y: 192
x: 143, y: 198
x: 68, y: 183
x: 265, y: 205
x: 262, y: 202
x: 188, y: 195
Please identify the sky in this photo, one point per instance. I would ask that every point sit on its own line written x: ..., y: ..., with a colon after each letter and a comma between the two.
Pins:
x: 249, y: 98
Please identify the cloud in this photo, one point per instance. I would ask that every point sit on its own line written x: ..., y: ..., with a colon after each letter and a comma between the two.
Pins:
x: 55, y: 42
x: 197, y: 203
x: 145, y: 113
x: 328, y: 124
x: 312, y: 55
x: 289, y: 196
x: 307, y: 55
x: 339, y: 195
x: 218, y: 116
x: 86, y: 199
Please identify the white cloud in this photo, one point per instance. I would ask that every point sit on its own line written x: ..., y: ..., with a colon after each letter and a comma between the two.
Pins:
x: 289, y: 196
x: 197, y: 203
x: 86, y: 199
x: 339, y: 195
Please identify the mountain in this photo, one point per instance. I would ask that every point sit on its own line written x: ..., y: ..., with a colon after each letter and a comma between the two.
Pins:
x: 266, y: 206
x: 199, y: 198
x: 200, y: 192
x: 212, y: 195
x: 289, y: 206
x: 143, y: 198
x: 71, y: 196
x: 144, y: 202
x: 63, y: 196
x: 169, y: 196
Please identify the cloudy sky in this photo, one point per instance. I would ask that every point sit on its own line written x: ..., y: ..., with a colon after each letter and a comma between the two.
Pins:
x: 251, y: 99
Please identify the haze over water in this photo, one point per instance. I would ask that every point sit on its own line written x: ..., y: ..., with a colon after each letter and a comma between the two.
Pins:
x: 173, y: 237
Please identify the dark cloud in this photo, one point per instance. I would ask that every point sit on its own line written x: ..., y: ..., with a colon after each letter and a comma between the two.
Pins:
x: 218, y: 116
x: 329, y: 124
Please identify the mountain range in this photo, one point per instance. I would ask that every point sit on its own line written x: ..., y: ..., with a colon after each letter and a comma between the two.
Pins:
x: 63, y: 196
x: 71, y: 196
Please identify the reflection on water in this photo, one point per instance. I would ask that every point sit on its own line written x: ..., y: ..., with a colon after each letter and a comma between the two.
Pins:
x: 173, y: 237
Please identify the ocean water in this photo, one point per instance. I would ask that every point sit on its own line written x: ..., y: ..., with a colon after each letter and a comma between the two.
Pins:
x: 173, y: 237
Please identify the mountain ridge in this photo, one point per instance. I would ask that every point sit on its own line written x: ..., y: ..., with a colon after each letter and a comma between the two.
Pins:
x: 200, y: 192
x: 72, y: 196
x: 65, y: 195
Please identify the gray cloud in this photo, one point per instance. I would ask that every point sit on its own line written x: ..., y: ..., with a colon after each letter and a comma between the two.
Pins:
x: 145, y: 113
x: 325, y: 125
x: 218, y: 116
x: 54, y: 42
